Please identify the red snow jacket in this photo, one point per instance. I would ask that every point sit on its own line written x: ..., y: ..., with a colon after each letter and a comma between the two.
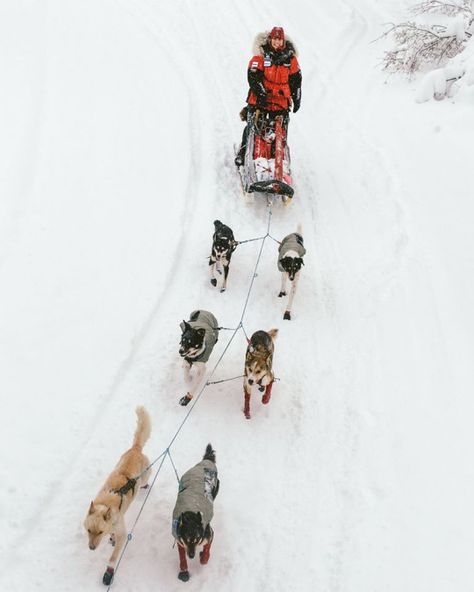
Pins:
x: 274, y: 78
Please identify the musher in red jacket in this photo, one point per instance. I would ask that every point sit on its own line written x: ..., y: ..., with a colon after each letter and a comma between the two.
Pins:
x: 274, y: 78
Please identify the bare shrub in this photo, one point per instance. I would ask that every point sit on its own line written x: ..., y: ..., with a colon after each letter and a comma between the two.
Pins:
x: 418, y: 46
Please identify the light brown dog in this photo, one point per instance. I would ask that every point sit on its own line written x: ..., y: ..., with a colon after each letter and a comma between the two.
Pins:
x: 106, y: 512
x: 258, y: 367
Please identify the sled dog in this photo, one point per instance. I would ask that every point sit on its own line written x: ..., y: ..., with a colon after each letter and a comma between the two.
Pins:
x: 223, y: 245
x: 199, y: 335
x: 258, y: 371
x: 290, y: 261
x: 106, y: 513
x: 192, y: 514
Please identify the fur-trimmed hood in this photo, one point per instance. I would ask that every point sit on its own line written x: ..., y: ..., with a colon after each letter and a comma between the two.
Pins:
x: 262, y: 43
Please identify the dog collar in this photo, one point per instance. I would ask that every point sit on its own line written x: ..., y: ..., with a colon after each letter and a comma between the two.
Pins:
x: 129, y: 485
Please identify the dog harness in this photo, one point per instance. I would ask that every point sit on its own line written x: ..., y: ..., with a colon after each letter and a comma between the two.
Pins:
x: 129, y: 485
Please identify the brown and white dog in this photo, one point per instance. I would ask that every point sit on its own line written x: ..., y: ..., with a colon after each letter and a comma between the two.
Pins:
x: 258, y: 372
x: 106, y: 513
x: 290, y: 261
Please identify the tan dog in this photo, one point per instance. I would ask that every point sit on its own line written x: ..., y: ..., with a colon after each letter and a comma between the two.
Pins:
x: 106, y: 512
x: 258, y: 367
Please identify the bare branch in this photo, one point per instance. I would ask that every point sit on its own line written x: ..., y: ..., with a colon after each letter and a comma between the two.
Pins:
x: 442, y: 7
x: 418, y: 46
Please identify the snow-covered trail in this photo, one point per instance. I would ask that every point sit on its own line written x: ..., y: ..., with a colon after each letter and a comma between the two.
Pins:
x: 129, y: 161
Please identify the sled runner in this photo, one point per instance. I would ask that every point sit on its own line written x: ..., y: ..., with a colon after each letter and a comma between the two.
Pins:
x: 266, y: 168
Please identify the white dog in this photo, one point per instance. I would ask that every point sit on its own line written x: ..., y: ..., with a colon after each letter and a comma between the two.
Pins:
x: 290, y: 259
x: 106, y: 513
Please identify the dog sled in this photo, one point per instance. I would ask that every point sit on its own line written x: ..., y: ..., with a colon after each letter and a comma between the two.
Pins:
x: 266, y: 169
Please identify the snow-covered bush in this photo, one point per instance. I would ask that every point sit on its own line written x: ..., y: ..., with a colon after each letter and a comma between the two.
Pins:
x: 438, y: 34
x: 455, y: 79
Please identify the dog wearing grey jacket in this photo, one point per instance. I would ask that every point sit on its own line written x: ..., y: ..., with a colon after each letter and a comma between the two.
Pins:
x: 194, y: 510
x: 199, y: 336
x: 290, y: 261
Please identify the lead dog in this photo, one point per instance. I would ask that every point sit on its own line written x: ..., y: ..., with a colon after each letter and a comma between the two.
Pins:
x: 223, y: 245
x: 106, y: 513
x: 193, y: 511
x: 198, y: 338
x: 290, y: 260
x: 258, y: 371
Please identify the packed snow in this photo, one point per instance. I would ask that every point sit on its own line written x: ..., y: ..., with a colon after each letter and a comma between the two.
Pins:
x: 119, y: 120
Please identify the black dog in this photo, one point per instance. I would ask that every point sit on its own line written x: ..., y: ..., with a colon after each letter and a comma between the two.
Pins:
x: 223, y: 245
x: 199, y: 335
x: 193, y: 511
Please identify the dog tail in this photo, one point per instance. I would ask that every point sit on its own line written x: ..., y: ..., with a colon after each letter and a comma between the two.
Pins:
x: 217, y: 224
x: 143, y: 431
x: 273, y: 333
x: 209, y: 454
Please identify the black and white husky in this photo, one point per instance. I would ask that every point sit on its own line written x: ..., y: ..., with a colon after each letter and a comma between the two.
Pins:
x: 194, y: 510
x: 290, y: 260
x: 199, y: 335
x: 223, y: 245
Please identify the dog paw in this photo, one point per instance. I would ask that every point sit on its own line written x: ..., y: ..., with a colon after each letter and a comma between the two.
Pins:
x: 265, y: 399
x: 183, y: 576
x: 185, y: 400
x: 287, y: 316
x: 112, y: 540
x: 214, y: 282
x: 108, y: 576
x: 281, y: 294
x: 222, y: 290
x: 247, y: 414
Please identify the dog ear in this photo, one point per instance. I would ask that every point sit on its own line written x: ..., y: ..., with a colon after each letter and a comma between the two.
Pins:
x: 91, y: 508
x: 301, y: 260
x: 184, y: 326
x: 108, y: 514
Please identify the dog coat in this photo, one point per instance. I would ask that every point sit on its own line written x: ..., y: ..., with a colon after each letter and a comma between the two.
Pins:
x: 195, y: 493
x: 207, y: 321
x: 292, y: 242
